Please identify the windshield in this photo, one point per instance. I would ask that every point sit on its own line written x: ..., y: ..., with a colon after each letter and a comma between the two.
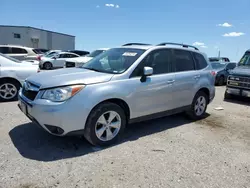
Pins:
x: 95, y: 53
x: 10, y: 58
x: 216, y: 59
x: 245, y: 60
x: 115, y: 61
x: 218, y: 65
x: 51, y: 54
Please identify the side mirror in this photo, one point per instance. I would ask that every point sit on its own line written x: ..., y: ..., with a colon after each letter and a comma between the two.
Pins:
x: 147, y: 71
x: 53, y: 57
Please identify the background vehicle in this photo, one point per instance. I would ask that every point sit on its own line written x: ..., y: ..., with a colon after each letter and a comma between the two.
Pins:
x: 12, y: 75
x: 222, y: 71
x: 79, y: 52
x: 20, y: 52
x: 136, y: 83
x: 238, y: 83
x: 79, y: 61
x: 219, y: 59
x: 56, y: 60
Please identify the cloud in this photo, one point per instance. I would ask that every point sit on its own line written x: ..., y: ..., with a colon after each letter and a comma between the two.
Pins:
x: 225, y: 25
x: 233, y: 34
x: 203, y: 46
x: 112, y: 5
x: 198, y: 44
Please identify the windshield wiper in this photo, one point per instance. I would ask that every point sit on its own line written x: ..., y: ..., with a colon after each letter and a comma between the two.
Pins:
x: 93, y: 69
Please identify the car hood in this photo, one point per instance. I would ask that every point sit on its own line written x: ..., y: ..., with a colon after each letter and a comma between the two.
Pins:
x: 79, y: 59
x: 70, y: 76
x: 241, y: 70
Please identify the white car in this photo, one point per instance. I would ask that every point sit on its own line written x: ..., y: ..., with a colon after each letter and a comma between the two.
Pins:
x: 56, y: 60
x: 20, y: 52
x: 12, y: 75
x: 79, y: 61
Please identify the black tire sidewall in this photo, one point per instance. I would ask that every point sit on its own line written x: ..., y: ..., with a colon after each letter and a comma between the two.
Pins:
x: 89, y: 132
x: 17, y: 85
x: 221, y: 80
x: 44, y: 66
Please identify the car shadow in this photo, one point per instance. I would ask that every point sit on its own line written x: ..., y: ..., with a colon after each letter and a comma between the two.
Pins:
x: 34, y: 143
x: 239, y: 100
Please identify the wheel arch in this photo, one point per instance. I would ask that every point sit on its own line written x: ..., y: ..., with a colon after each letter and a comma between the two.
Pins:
x: 205, y: 90
x: 12, y: 79
x: 117, y: 101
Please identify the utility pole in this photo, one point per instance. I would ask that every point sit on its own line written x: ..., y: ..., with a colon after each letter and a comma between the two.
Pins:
x: 219, y: 54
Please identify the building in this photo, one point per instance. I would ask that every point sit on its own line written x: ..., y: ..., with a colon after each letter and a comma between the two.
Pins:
x: 36, y: 38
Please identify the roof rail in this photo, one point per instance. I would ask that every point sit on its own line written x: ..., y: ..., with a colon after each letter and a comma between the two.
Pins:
x: 178, y: 44
x: 139, y: 44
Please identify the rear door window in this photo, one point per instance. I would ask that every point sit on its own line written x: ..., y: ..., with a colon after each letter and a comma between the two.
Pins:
x: 200, y: 61
x: 18, y: 51
x: 183, y: 60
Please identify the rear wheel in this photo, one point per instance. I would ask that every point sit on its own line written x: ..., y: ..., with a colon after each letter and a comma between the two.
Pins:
x: 9, y: 90
x: 47, y: 66
x: 227, y: 96
x: 105, y: 124
x: 221, y: 81
x: 199, y: 106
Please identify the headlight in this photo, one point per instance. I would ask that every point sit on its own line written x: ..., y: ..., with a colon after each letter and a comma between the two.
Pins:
x: 61, y: 93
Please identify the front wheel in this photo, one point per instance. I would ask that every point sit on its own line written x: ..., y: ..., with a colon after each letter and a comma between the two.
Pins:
x: 199, y: 106
x: 47, y: 66
x: 9, y: 90
x: 105, y: 124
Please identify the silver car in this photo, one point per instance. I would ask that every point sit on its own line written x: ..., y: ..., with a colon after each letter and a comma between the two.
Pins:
x: 12, y: 75
x: 122, y: 85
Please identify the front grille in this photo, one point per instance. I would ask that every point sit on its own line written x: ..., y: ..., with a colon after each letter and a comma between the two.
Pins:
x: 70, y: 64
x: 239, y: 81
x: 30, y: 90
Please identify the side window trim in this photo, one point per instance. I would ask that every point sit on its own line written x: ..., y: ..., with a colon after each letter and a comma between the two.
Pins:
x: 197, y: 63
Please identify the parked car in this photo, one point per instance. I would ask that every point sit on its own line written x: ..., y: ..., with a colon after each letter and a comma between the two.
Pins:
x: 41, y: 50
x: 238, y: 83
x: 79, y: 52
x: 222, y: 71
x: 219, y: 59
x: 56, y: 60
x: 12, y: 75
x: 20, y: 52
x: 140, y: 82
x: 79, y: 61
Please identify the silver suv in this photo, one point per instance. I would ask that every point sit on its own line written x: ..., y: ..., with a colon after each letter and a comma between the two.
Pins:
x: 122, y: 85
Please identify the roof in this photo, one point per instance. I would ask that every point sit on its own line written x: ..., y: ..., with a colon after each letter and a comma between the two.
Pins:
x: 142, y: 47
x: 37, y: 29
x: 15, y: 45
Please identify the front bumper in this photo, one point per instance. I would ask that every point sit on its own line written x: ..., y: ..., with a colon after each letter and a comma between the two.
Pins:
x: 58, y: 119
x: 238, y: 91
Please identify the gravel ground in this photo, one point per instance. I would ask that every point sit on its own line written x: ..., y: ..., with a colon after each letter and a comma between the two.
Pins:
x: 167, y: 152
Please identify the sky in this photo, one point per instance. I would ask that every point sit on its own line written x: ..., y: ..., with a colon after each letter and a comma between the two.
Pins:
x: 211, y: 25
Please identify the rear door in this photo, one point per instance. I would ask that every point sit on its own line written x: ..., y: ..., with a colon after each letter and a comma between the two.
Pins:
x: 186, y: 77
x: 18, y: 53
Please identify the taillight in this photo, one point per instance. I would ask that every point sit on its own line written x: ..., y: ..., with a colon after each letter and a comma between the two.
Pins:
x: 213, y: 73
x: 39, y: 58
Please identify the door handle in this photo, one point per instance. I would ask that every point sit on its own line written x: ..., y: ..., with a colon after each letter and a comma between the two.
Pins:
x: 170, y: 81
x: 197, y: 76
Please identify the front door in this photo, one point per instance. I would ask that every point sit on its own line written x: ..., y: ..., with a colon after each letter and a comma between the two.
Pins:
x: 156, y: 93
x: 59, y: 61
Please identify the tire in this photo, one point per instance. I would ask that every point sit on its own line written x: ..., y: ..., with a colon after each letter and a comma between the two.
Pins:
x: 221, y: 81
x: 94, y: 127
x: 9, y: 90
x: 193, y: 112
x: 227, y: 96
x: 47, y: 66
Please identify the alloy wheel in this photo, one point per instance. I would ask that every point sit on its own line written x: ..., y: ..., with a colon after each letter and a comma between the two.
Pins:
x: 200, y: 105
x: 8, y: 91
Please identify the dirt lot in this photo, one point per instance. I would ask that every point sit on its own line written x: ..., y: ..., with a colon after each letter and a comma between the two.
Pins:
x: 168, y: 152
